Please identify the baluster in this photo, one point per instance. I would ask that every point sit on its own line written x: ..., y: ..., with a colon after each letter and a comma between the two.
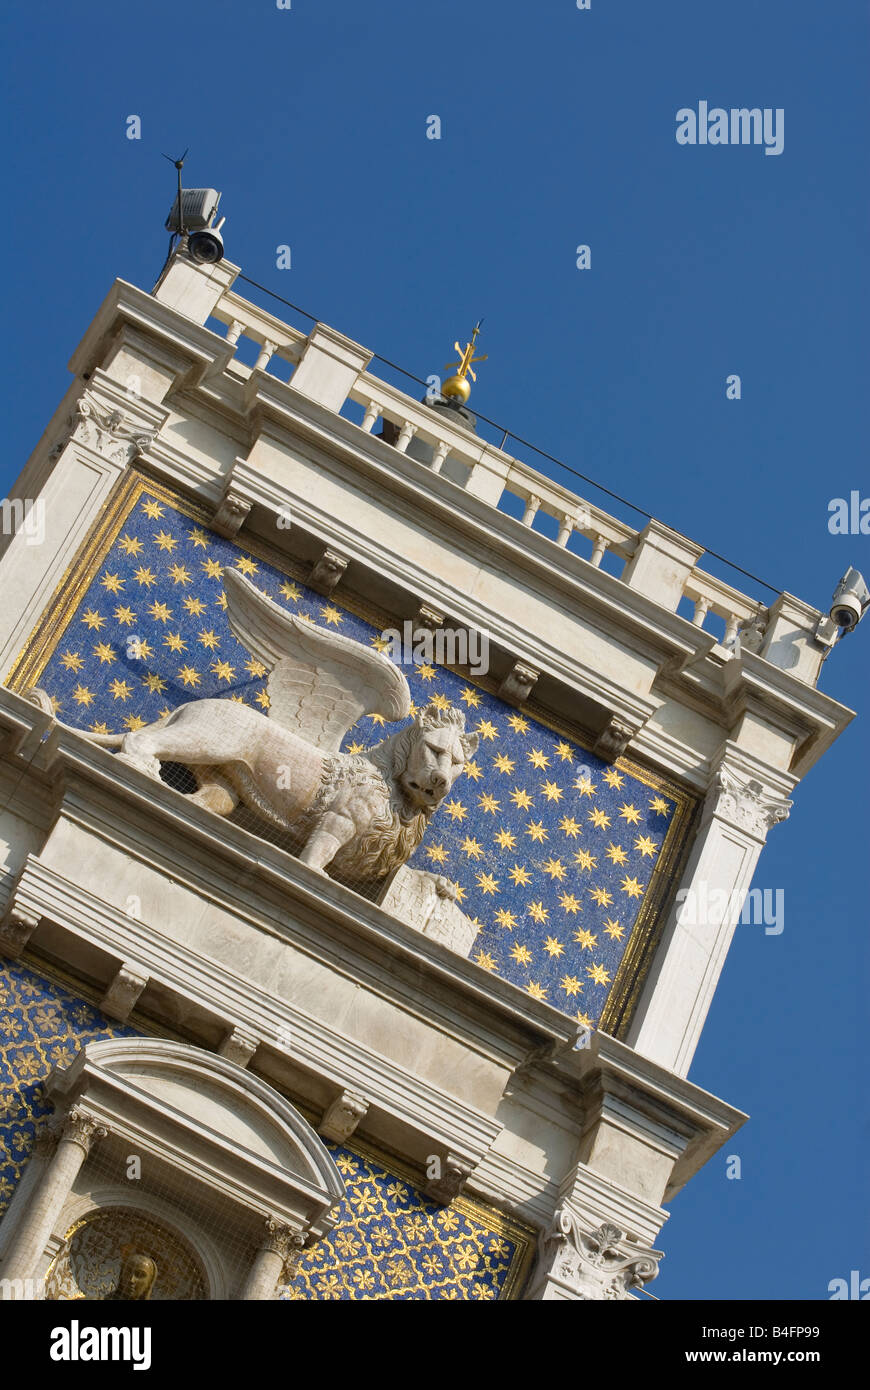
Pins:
x: 531, y: 510
x: 601, y: 544
x: 266, y: 352
x: 702, y: 607
x: 441, y: 453
x: 406, y: 434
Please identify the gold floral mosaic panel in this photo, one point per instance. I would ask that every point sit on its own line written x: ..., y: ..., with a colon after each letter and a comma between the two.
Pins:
x: 391, y: 1243
x: 42, y: 1025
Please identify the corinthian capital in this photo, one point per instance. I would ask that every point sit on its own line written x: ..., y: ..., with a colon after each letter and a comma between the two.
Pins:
x: 745, y: 803
x: 109, y: 430
x: 45, y: 1142
x: 282, y: 1240
x: 82, y: 1129
x: 597, y: 1265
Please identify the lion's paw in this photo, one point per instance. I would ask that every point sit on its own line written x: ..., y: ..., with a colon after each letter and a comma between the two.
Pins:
x: 150, y: 766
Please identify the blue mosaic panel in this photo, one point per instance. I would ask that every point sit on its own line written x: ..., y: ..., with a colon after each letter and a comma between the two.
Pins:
x: 390, y: 1242
x: 553, y: 850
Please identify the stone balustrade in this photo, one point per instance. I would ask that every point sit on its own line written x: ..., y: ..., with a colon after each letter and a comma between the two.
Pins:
x: 274, y: 338
x: 666, y: 570
x: 713, y: 596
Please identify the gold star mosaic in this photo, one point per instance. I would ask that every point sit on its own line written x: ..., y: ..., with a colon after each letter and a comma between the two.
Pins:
x: 563, y: 860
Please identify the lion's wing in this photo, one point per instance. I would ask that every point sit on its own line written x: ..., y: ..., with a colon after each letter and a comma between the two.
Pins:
x: 320, y: 682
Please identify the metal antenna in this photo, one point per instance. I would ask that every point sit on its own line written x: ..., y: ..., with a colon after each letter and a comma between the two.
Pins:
x: 179, y: 164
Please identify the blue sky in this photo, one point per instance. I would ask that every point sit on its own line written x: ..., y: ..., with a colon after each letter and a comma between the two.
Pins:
x: 558, y: 128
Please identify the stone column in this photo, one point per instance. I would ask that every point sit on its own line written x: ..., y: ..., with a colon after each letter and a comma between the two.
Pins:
x: 738, y: 812
x: 276, y: 1258
x: 47, y: 1199
x: 43, y: 1152
x: 532, y: 508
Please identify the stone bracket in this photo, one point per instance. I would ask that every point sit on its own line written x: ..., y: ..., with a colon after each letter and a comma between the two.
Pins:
x: 239, y: 1045
x: 16, y: 929
x: 341, y: 1118
x: 454, y: 1172
x: 518, y: 684
x: 327, y: 572
x: 555, y: 1051
x: 123, y: 993
x: 429, y: 617
x: 613, y: 739
x: 232, y: 511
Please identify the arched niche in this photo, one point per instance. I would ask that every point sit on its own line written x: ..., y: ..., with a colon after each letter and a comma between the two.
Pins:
x: 90, y: 1262
x: 193, y: 1140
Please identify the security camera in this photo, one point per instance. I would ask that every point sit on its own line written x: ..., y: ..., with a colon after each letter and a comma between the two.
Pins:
x: 206, y: 246
x: 851, y: 600
x: 850, y: 603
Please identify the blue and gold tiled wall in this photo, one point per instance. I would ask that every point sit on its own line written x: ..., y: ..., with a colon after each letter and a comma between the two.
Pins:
x: 389, y: 1242
x: 563, y: 859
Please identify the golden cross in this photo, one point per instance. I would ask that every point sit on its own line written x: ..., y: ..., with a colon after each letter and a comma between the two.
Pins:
x: 466, y: 357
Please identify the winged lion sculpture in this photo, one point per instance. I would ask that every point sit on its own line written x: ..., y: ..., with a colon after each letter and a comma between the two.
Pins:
x: 362, y: 815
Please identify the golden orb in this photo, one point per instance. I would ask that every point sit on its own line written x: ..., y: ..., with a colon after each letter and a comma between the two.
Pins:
x: 457, y: 386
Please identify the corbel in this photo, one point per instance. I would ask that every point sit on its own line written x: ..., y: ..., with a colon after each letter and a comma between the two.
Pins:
x: 454, y: 1172
x: 429, y: 618
x: 232, y: 511
x: 518, y: 684
x: 327, y: 572
x: 16, y: 930
x: 341, y: 1118
x: 124, y: 992
x: 613, y: 739
x: 238, y: 1045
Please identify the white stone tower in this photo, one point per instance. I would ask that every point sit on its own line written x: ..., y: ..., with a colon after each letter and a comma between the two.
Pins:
x: 351, y: 1087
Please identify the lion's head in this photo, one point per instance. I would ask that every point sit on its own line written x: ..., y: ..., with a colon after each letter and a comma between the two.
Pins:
x: 428, y: 756
x: 418, y: 766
